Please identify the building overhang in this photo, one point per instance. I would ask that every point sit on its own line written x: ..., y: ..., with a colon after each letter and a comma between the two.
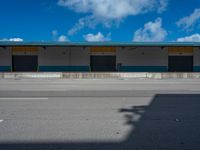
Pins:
x: 91, y: 44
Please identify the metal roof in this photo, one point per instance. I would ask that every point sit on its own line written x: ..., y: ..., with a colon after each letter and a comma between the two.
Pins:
x: 75, y: 44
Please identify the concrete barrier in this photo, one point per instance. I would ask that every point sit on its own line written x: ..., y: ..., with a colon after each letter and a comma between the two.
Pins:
x: 29, y: 75
x: 60, y: 75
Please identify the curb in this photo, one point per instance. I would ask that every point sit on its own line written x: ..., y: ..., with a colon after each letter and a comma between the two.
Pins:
x: 60, y: 75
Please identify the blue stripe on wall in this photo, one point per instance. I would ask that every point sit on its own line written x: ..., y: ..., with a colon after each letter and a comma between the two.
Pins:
x: 5, y: 68
x: 143, y: 69
x: 196, y: 69
x: 64, y: 68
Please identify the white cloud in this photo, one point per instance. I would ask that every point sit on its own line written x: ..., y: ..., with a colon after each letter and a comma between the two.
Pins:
x: 189, y: 21
x: 152, y: 32
x: 57, y: 37
x: 16, y: 40
x: 191, y: 38
x: 63, y: 38
x: 108, y: 12
x: 82, y: 22
x: 54, y: 34
x: 163, y: 6
x: 99, y: 37
x: 13, y: 39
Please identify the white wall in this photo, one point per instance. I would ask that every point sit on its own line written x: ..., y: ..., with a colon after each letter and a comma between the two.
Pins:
x: 196, y: 56
x: 5, y: 56
x: 142, y: 56
x: 63, y: 56
x: 53, y: 56
x: 80, y: 56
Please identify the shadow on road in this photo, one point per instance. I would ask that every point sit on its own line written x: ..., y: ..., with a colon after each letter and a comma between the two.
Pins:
x: 170, y: 122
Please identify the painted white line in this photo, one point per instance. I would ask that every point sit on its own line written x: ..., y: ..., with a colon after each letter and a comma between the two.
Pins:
x: 42, y: 90
x: 1, y: 120
x: 24, y: 98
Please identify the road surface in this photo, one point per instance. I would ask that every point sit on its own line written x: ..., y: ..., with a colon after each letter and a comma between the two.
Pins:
x: 109, y: 114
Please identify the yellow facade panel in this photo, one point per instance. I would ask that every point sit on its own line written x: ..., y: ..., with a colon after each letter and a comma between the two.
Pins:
x: 184, y: 50
x: 24, y: 49
x: 103, y: 50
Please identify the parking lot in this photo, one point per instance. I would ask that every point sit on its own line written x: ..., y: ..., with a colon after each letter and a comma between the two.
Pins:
x: 139, y: 114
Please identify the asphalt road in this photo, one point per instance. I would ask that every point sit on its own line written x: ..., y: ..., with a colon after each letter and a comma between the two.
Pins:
x: 100, y: 114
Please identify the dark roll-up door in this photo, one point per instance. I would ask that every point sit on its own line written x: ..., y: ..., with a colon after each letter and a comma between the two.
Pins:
x: 25, y: 63
x: 180, y: 63
x: 103, y: 63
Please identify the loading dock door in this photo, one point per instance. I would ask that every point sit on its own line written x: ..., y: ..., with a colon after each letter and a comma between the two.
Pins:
x: 25, y: 63
x: 180, y: 63
x: 103, y: 63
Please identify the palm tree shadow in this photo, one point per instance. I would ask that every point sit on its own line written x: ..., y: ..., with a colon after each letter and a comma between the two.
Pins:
x: 170, y: 121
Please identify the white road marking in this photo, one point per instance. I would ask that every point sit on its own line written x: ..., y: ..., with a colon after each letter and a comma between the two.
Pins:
x: 1, y: 120
x: 23, y: 98
x: 41, y: 90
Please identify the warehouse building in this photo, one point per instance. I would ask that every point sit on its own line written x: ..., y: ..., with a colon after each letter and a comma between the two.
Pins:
x: 99, y: 57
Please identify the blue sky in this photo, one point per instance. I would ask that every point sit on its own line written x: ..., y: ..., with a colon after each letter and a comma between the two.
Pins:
x: 100, y: 20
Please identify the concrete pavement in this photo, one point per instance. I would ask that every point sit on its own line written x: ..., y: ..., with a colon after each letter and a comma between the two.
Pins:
x: 100, y: 114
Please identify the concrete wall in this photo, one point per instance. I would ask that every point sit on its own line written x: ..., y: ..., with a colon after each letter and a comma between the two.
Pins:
x: 5, y: 59
x: 63, y: 59
x: 196, y: 59
x: 143, y: 59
